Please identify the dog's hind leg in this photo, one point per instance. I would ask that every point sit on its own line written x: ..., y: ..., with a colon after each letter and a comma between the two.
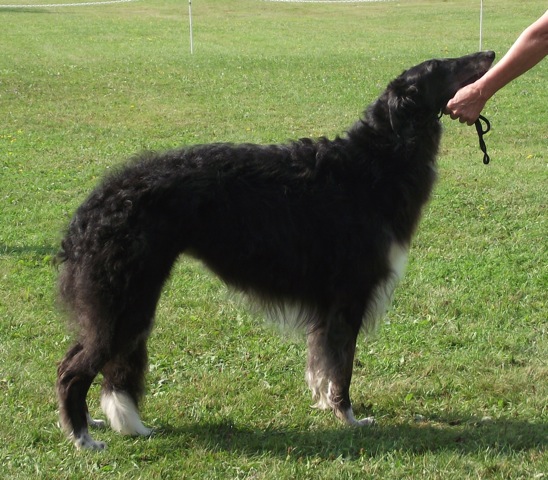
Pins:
x: 124, y: 374
x: 74, y: 377
x: 122, y: 389
x: 331, y: 349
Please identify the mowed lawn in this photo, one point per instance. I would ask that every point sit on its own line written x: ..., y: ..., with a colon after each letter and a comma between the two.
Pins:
x: 457, y: 378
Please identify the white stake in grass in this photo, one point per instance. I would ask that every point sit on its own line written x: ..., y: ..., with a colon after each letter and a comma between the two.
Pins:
x: 190, y: 26
x: 481, y: 26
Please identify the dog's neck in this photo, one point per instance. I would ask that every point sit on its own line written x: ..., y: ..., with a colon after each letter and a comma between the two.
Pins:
x: 377, y: 128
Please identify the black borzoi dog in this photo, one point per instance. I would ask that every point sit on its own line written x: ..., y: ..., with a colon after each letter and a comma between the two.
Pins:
x: 318, y: 227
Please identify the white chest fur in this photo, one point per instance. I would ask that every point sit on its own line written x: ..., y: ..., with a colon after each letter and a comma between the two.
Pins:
x: 382, y: 295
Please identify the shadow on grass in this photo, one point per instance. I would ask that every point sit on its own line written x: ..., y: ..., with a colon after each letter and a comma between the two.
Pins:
x: 29, y: 251
x: 504, y: 436
x: 24, y: 10
x: 38, y: 250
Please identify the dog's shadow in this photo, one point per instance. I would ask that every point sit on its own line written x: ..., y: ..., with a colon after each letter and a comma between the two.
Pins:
x: 35, y: 253
x: 466, y: 436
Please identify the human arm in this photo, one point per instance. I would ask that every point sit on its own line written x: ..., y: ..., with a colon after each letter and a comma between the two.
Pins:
x: 528, y: 50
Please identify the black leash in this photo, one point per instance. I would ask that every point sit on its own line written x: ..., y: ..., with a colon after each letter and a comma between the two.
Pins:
x: 481, y: 133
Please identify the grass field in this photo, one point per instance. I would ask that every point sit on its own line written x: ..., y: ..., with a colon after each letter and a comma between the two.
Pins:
x: 457, y: 378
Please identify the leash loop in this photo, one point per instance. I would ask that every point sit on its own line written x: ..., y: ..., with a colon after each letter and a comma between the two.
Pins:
x: 481, y: 133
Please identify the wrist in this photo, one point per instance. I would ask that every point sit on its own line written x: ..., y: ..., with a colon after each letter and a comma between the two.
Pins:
x: 485, y: 89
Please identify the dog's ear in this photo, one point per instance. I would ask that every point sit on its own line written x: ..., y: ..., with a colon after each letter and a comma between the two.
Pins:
x: 401, y: 100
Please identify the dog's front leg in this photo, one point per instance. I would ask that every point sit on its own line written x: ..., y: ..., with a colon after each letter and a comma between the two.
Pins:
x: 331, y: 349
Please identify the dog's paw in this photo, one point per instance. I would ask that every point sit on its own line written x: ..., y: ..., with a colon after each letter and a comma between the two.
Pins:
x: 364, y: 422
x: 96, y: 423
x: 348, y: 417
x: 85, y: 442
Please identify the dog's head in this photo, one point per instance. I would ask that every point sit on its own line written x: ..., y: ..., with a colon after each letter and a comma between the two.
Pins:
x: 424, y: 90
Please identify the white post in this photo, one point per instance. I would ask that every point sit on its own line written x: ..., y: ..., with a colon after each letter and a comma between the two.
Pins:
x: 481, y: 26
x: 190, y: 26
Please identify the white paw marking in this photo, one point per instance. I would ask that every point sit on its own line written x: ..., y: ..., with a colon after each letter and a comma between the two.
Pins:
x: 85, y: 442
x: 348, y: 417
x: 122, y: 414
x: 382, y: 296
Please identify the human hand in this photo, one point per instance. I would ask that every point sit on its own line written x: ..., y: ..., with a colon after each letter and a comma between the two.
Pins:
x: 467, y: 104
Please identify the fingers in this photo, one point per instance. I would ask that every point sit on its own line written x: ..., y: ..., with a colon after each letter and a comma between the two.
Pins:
x: 463, y: 116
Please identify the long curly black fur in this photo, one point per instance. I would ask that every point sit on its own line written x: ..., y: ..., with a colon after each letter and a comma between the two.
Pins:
x: 318, y: 226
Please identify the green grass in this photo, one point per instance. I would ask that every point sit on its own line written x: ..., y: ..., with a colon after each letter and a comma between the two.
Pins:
x: 458, y: 377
